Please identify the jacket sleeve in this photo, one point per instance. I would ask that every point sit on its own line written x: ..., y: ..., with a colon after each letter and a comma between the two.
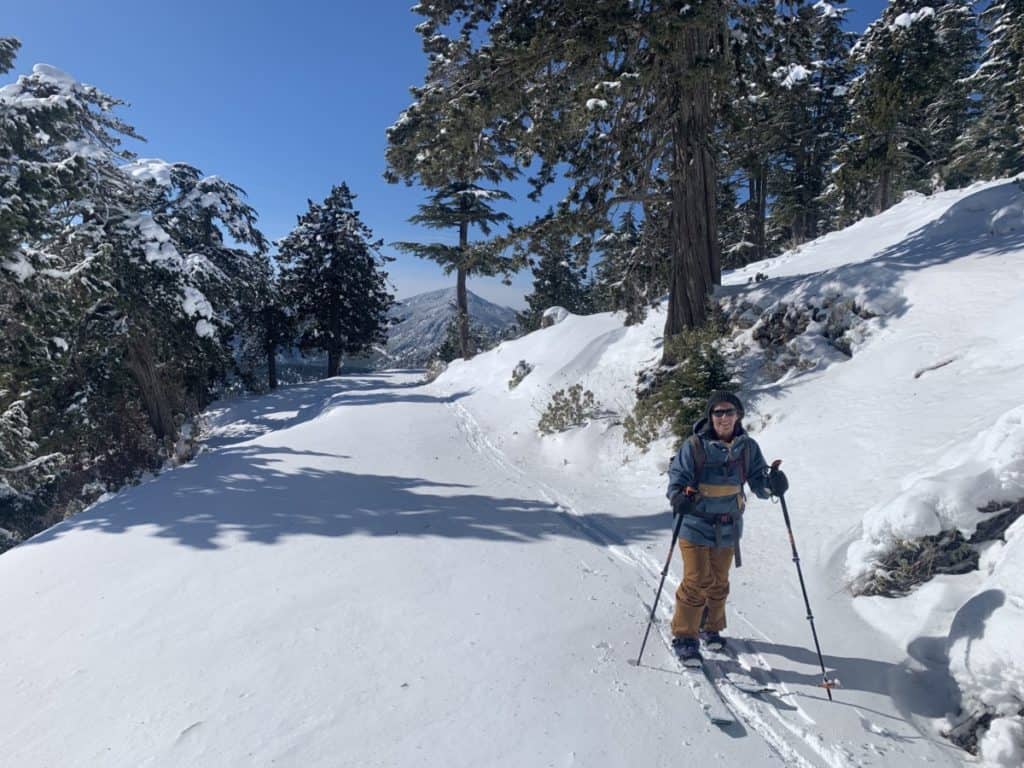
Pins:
x: 680, y: 471
x: 757, y: 471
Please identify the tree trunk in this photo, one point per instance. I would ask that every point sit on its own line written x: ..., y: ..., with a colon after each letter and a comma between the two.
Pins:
x: 883, y: 197
x: 759, y: 204
x: 151, y: 389
x: 271, y: 350
x: 462, y: 314
x: 461, y: 300
x: 696, y: 265
x: 333, y: 361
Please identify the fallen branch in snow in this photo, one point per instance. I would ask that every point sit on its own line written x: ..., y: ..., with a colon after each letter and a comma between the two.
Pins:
x: 941, y: 364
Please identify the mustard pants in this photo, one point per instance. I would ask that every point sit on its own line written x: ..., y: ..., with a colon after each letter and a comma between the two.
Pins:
x: 705, y: 584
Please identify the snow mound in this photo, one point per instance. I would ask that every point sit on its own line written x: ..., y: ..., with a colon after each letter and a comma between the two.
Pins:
x: 989, y: 468
x: 553, y: 316
x: 1008, y: 219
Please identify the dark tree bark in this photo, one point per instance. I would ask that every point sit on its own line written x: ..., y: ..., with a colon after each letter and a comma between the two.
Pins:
x: 461, y: 299
x: 333, y: 361
x: 151, y: 389
x: 271, y: 350
x: 696, y: 263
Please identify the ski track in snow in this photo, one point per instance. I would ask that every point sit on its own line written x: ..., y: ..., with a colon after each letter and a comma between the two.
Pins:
x: 782, y: 736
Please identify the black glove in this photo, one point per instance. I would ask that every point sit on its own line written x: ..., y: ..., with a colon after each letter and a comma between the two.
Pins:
x: 778, y: 484
x: 682, y: 502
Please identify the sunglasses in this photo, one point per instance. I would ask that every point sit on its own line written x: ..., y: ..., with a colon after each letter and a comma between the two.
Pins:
x: 723, y: 413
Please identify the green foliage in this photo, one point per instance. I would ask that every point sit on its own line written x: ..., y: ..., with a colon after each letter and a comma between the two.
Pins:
x: 520, y: 372
x: 120, y: 298
x: 451, y: 347
x: 559, y: 278
x: 572, y: 407
x: 333, y: 280
x: 673, y: 398
x: 633, y: 272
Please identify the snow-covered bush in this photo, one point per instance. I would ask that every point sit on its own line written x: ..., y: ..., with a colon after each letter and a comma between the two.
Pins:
x: 671, y: 399
x: 520, y: 372
x: 572, y: 407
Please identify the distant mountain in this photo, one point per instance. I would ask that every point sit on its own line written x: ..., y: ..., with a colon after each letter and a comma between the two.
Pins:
x: 423, y: 321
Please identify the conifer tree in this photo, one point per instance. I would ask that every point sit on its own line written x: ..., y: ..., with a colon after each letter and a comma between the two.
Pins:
x: 748, y: 109
x: 895, y: 140
x: 809, y: 113
x: 117, y: 293
x: 952, y: 109
x: 559, y: 280
x: 993, y: 146
x: 632, y: 273
x: 334, y: 281
x: 463, y: 206
x: 447, y: 145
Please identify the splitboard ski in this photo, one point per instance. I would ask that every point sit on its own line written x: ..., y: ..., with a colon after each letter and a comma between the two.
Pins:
x: 701, y: 682
x: 716, y: 662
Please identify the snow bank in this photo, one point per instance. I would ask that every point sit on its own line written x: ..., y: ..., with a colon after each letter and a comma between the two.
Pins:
x: 983, y: 641
x: 971, y: 475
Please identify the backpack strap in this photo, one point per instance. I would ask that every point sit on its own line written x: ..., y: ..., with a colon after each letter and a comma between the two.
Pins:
x: 699, y: 457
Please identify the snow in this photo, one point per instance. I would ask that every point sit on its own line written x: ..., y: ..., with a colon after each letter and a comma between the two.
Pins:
x: 792, y: 75
x: 369, y: 570
x: 149, y: 169
x: 554, y: 315
x: 594, y: 104
x: 906, y: 20
x: 20, y: 267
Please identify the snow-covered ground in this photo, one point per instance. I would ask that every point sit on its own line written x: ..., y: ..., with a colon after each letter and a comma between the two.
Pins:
x: 369, y: 571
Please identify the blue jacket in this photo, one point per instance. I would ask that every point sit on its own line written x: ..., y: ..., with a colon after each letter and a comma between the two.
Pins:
x: 717, y: 516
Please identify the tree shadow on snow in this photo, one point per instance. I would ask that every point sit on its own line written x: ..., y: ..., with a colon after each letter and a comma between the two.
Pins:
x: 291, y: 405
x: 264, y: 493
x: 921, y: 685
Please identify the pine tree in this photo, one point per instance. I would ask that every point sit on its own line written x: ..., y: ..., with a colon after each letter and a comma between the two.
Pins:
x: 333, y: 279
x: 993, y: 146
x: 632, y: 273
x: 952, y: 108
x: 810, y: 111
x: 117, y: 293
x: 462, y: 206
x: 446, y: 145
x: 748, y: 108
x: 903, y: 71
x: 558, y: 279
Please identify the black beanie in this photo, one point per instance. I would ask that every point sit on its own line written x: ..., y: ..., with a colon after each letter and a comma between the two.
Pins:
x: 723, y: 397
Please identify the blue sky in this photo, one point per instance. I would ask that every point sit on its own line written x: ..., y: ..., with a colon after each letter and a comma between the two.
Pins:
x: 285, y: 101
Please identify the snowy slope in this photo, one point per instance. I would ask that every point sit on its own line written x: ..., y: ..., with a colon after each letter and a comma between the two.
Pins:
x: 369, y: 571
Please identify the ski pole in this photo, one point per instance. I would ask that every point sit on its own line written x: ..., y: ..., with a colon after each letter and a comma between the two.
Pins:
x: 657, y: 595
x: 827, y: 684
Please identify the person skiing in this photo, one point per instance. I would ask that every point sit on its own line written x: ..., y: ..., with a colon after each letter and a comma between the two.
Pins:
x: 706, y: 479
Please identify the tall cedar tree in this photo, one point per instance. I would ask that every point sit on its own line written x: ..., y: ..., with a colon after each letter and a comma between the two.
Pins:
x: 444, y: 141
x: 333, y: 279
x: 617, y: 93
